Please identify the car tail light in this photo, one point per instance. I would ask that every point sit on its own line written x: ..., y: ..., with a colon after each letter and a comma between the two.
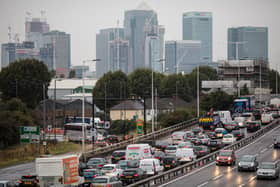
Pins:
x: 100, y: 165
x: 136, y: 175
x: 122, y: 175
x: 19, y: 181
x: 173, y: 161
x: 229, y: 158
x: 202, y: 151
x: 94, y: 176
x: 108, y: 185
x: 115, y: 169
x: 123, y: 157
x: 218, y: 158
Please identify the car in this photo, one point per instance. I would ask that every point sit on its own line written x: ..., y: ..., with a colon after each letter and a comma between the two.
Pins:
x: 117, y: 155
x: 268, y: 170
x: 90, y: 174
x: 185, y: 155
x: 186, y: 144
x: 201, y: 150
x: 276, y: 142
x: 195, y: 141
x: 178, y: 137
x: 274, y: 112
x: 226, y: 157
x: 29, y: 181
x: 220, y: 132
x: 231, y: 125
x: 266, y: 118
x: 161, y: 145
x: 125, y: 164
x: 258, y: 114
x: 112, y: 170
x: 170, y: 162
x: 190, y: 134
x: 96, y: 163
x: 159, y: 155
x: 111, y: 139
x: 238, y: 134
x: 132, y: 175
x: 106, y: 181
x: 211, y: 135
x: 228, y: 139
x: 203, y: 138
x: 241, y: 121
x: 253, y: 126
x: 215, y: 145
x: 81, y: 168
x: 197, y: 130
x: 171, y: 150
x: 151, y: 166
x: 248, y: 162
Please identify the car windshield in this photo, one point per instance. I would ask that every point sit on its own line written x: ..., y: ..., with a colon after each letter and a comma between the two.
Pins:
x: 267, y: 166
x: 228, y: 136
x: 158, y: 153
x: 108, y: 168
x: 198, y: 148
x: 247, y: 159
x: 219, y: 131
x: 186, y: 144
x: 119, y: 153
x: 129, y: 172
x: 90, y: 173
x: 213, y: 142
x: 225, y: 153
x: 168, y: 159
x: 94, y: 161
x: 235, y: 132
x: 100, y: 180
x: 171, y: 148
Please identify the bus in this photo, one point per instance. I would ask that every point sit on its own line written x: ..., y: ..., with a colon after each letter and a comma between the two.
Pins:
x: 74, y: 132
x: 97, y: 121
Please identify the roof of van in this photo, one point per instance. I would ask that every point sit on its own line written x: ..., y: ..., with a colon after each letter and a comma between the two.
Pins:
x: 144, y: 144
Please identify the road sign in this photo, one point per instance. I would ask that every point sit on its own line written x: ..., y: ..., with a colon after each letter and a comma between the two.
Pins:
x: 29, y: 134
x: 139, y: 126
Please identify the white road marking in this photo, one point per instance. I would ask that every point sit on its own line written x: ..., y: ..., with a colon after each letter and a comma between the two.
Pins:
x: 241, y: 185
x: 271, y: 146
x: 217, y: 177
x: 233, y: 168
x: 252, y: 178
x: 262, y: 151
x: 203, y: 184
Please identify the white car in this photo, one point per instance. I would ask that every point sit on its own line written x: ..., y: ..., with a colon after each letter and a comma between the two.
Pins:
x: 228, y: 139
x: 151, y: 166
x: 171, y: 150
x: 112, y: 170
x: 185, y: 155
x: 241, y: 121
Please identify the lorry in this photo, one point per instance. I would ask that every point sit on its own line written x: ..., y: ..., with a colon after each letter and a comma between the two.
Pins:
x: 240, y: 105
x: 138, y: 151
x: 209, y: 121
x: 251, y: 101
x: 58, y: 170
x: 225, y: 116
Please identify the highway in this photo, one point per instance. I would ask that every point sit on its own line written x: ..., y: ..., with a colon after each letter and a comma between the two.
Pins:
x: 227, y: 176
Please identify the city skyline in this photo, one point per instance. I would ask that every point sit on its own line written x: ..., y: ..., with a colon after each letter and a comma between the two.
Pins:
x: 87, y: 16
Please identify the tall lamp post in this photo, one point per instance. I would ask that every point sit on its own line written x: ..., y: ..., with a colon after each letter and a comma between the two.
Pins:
x: 83, y: 106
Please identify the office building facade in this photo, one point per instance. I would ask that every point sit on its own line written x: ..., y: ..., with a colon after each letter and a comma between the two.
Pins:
x: 119, y: 56
x: 252, y: 43
x: 198, y: 26
x: 152, y: 53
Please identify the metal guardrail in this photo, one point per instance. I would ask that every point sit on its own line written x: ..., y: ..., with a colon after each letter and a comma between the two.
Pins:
x: 187, y: 168
x: 156, y: 134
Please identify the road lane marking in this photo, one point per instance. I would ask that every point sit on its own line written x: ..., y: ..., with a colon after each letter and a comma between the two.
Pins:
x: 203, y: 184
x: 262, y: 151
x: 233, y: 168
x: 217, y: 177
x: 241, y: 185
x: 252, y: 178
x: 271, y: 146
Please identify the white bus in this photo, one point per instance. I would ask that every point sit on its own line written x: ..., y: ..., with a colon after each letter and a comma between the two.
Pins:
x: 97, y: 121
x: 74, y: 131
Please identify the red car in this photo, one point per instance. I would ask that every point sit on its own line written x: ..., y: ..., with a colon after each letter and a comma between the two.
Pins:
x: 226, y: 157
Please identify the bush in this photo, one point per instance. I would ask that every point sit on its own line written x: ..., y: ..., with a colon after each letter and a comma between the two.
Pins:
x: 122, y: 127
x: 175, y: 117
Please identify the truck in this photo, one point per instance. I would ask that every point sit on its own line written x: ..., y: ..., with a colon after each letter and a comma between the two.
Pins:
x: 240, y: 105
x: 209, y: 121
x: 225, y: 116
x: 251, y: 101
x: 58, y: 170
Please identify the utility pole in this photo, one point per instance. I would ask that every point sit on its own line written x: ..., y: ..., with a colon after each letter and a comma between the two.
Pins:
x: 197, y: 91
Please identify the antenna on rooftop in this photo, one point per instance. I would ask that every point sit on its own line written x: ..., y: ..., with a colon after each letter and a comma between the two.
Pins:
x: 10, y: 33
x: 43, y: 15
x: 28, y: 16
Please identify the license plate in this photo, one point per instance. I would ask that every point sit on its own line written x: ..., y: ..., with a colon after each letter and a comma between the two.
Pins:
x: 27, y: 182
x: 128, y: 177
x: 168, y: 166
x: 117, y: 158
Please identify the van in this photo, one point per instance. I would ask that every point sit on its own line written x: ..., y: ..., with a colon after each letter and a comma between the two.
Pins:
x: 178, y: 137
x: 151, y: 166
x: 225, y: 116
x: 248, y: 116
x: 138, y: 151
x: 266, y: 118
x: 185, y: 155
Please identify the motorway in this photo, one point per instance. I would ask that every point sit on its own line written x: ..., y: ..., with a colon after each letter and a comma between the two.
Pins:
x: 228, y: 176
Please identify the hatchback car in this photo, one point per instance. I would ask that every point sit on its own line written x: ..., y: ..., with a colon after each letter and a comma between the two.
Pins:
x: 187, y: 144
x: 215, y: 145
x: 226, y: 157
x: 203, y: 138
x: 105, y: 181
x: 90, y: 174
x: 228, y: 139
x: 132, y: 175
x: 232, y: 125
x: 171, y: 150
x: 220, y: 132
x: 276, y: 142
x: 125, y: 164
x: 248, y: 162
x: 29, y: 181
x: 96, y: 163
x: 159, y: 155
x: 253, y: 126
x: 211, y: 134
x: 238, y: 134
x: 197, y: 130
x: 268, y: 170
x: 161, y: 145
x: 201, y: 150
x: 112, y: 170
x: 117, y: 156
x: 170, y: 162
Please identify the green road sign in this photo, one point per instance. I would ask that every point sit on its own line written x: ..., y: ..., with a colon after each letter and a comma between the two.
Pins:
x: 139, y: 124
x: 29, y: 134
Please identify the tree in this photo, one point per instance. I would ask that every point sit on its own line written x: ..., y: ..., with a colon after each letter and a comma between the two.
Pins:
x: 173, y: 118
x: 110, y: 86
x: 244, y: 90
x: 26, y: 80
x: 218, y: 100
x: 72, y: 74
x: 272, y: 80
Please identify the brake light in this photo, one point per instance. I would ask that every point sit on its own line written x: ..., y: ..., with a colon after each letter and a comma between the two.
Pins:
x: 108, y: 185
x: 100, y: 165
x: 173, y: 161
x: 229, y: 158
x: 19, y: 181
x: 202, y: 151
x: 122, y: 175
x: 136, y: 175
x: 123, y: 157
x: 94, y: 176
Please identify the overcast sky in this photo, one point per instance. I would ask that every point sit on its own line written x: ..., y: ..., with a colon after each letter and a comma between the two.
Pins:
x: 84, y: 18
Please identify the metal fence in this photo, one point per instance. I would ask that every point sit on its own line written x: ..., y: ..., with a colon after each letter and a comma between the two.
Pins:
x: 187, y: 168
x: 149, y: 136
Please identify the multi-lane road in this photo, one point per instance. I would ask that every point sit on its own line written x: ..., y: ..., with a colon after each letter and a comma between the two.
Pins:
x: 228, y: 176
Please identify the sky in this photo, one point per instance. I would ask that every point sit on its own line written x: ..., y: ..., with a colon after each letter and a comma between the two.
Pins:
x: 84, y: 18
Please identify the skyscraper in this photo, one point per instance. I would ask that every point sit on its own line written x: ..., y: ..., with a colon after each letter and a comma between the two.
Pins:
x: 60, y: 42
x: 152, y: 52
x: 138, y: 23
x: 119, y: 55
x: 102, y: 48
x: 253, y: 43
x: 8, y: 53
x: 182, y: 56
x: 198, y: 26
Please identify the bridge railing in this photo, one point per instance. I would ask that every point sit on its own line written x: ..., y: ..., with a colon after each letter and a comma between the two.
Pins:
x: 187, y: 168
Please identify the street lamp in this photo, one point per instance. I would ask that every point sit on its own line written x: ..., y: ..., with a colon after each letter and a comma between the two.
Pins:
x: 83, y: 106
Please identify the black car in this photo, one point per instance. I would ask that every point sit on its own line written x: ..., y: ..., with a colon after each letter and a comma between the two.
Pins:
x: 96, y: 163
x: 161, y: 145
x: 170, y: 162
x: 238, y: 134
x: 82, y: 166
x: 253, y: 126
x: 214, y: 145
x: 201, y: 150
x: 211, y: 134
x: 195, y: 141
x: 111, y: 139
x: 257, y: 114
x: 132, y: 175
x: 276, y: 142
x: 29, y: 181
x: 117, y: 156
x: 197, y: 130
x: 125, y: 164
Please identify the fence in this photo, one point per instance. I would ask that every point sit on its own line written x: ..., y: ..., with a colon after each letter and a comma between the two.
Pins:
x: 186, y: 168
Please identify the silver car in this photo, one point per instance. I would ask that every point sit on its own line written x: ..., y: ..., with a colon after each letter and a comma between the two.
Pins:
x: 171, y: 150
x: 268, y: 170
x: 248, y: 162
x: 105, y: 181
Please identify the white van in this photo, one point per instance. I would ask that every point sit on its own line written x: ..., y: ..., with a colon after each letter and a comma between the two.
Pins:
x: 266, y: 118
x: 185, y: 155
x: 241, y: 121
x: 248, y: 116
x: 178, y: 137
x: 151, y: 166
x: 225, y: 116
x: 138, y: 151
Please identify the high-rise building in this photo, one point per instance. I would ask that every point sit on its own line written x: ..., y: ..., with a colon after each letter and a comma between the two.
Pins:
x: 182, y: 56
x: 252, y: 43
x: 138, y: 23
x: 198, y: 26
x: 60, y: 42
x: 152, y: 53
x: 103, y: 39
x: 80, y: 70
x: 34, y: 29
x: 161, y: 32
x: 46, y: 54
x: 119, y: 55
x: 8, y: 53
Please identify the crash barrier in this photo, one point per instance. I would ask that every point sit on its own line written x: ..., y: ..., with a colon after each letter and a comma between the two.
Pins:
x: 169, y: 175
x: 149, y: 136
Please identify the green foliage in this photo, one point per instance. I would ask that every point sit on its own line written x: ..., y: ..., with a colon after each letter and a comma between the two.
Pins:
x: 25, y: 79
x: 218, y: 100
x: 273, y: 74
x: 122, y: 127
x: 111, y: 85
x: 175, y: 117
x: 72, y: 74
x: 15, y: 114
x: 244, y: 90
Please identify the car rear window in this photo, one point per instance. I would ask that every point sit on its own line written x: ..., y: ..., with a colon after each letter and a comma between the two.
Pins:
x: 129, y: 172
x: 168, y: 159
x: 119, y: 153
x: 171, y: 148
x: 227, y: 136
x: 108, y: 168
x: 94, y: 161
x: 100, y: 180
x: 225, y: 153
